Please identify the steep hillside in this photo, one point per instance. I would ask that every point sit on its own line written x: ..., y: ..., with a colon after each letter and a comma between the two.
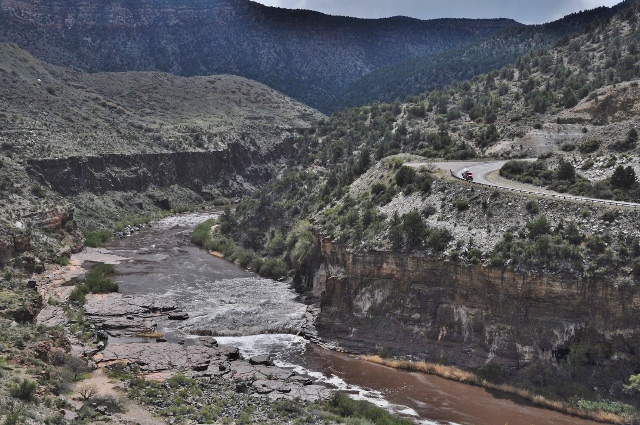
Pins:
x: 551, y: 101
x: 306, y: 55
x: 574, y: 105
x: 178, y: 140
x: 82, y: 114
x: 417, y: 75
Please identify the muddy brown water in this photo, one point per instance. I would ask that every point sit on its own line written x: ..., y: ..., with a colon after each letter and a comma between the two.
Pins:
x: 261, y: 316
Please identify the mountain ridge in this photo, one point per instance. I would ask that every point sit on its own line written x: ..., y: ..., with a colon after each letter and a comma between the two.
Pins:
x: 415, y: 75
x: 306, y: 55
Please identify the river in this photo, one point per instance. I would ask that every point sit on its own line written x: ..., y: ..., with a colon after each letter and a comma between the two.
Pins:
x: 262, y: 316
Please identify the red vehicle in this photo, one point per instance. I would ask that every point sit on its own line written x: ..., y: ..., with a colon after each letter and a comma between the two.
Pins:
x: 467, y: 175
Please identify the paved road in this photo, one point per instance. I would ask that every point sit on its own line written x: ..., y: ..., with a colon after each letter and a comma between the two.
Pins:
x: 482, y: 175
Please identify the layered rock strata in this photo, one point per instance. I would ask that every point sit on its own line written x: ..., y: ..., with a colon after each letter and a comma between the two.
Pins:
x: 472, y: 314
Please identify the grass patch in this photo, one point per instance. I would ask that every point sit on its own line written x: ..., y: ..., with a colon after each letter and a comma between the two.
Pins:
x: 95, y: 282
x: 340, y: 404
x: 99, y: 237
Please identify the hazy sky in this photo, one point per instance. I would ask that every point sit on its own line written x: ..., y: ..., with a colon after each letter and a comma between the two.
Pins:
x: 525, y: 11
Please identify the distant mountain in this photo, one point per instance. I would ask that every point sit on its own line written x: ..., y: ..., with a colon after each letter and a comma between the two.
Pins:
x: 307, y: 55
x: 417, y: 75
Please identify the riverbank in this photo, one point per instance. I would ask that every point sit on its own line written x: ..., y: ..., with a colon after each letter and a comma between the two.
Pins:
x: 466, y: 377
x: 210, y: 290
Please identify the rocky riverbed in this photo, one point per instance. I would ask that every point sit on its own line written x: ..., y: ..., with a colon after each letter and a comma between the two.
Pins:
x: 129, y: 319
x: 123, y: 331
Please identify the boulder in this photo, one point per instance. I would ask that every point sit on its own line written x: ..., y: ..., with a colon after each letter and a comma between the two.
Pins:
x: 261, y: 360
x: 22, y: 242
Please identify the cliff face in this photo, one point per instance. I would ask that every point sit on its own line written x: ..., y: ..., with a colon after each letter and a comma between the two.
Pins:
x: 411, y: 305
x: 304, y: 54
x: 228, y: 171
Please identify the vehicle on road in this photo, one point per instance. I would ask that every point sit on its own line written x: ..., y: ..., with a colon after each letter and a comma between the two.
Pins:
x: 467, y: 175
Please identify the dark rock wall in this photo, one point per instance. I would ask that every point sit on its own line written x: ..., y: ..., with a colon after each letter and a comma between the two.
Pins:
x: 226, y: 169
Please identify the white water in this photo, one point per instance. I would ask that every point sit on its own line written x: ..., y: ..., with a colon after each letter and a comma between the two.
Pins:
x: 289, y: 352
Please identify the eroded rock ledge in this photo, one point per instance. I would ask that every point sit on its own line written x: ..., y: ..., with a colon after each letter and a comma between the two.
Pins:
x: 207, y: 359
x: 119, y: 315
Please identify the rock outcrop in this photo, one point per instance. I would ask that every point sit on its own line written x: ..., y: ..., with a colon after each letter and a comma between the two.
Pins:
x: 22, y: 246
x: 228, y: 170
x: 118, y: 315
x: 412, y: 305
x: 127, y: 315
x: 162, y: 360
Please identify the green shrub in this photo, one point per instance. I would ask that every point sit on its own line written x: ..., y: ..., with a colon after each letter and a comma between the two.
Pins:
x: 590, y: 146
x: 532, y: 207
x: 610, y: 216
x: 38, y: 191
x: 12, y: 419
x: 273, y: 268
x: 179, y: 209
x: 275, y: 244
x: 438, y: 239
x: 623, y: 177
x: 628, y: 143
x: 255, y: 264
x: 78, y: 295
x: 180, y: 380
x: 97, y: 239
x: 414, y: 228
x: 202, y: 232
x: 61, y: 261
x: 405, y: 176
x: 94, y: 282
x: 614, y: 407
x: 301, y: 243
x: 377, y: 188
x: 492, y: 373
x: 244, y: 257
x: 565, y: 171
x: 634, y: 385
x: 340, y: 404
x: 536, y: 172
x: 474, y: 255
x: 587, y: 164
x: 423, y: 183
x: 540, y: 226
x: 25, y: 390
x: 462, y: 205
